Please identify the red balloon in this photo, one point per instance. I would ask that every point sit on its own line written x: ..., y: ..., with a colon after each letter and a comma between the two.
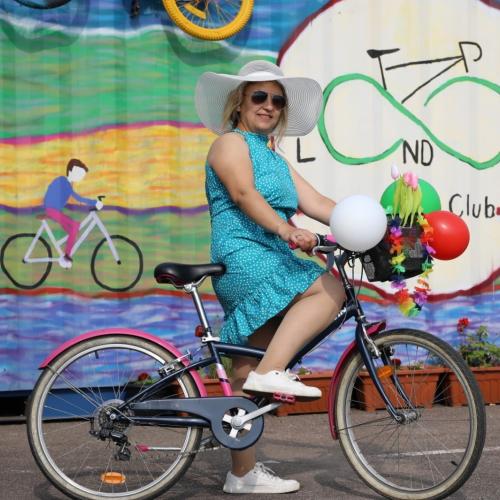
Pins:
x: 450, y: 236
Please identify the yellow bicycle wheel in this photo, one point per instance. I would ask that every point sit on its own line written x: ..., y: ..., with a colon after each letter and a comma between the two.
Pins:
x: 210, y: 19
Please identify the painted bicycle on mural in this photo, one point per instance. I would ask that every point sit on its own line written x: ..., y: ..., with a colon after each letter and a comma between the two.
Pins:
x: 205, y: 19
x: 468, y: 53
x: 120, y: 413
x: 116, y: 263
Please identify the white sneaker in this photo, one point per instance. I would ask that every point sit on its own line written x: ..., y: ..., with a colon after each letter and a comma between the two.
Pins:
x: 64, y: 262
x: 259, y: 480
x: 280, y: 382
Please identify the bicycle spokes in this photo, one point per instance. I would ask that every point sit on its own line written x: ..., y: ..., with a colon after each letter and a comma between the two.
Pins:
x: 431, y: 446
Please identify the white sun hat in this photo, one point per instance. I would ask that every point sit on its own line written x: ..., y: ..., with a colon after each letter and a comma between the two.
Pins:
x: 304, y: 96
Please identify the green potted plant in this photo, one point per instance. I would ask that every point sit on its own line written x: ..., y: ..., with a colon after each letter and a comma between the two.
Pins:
x: 483, y: 358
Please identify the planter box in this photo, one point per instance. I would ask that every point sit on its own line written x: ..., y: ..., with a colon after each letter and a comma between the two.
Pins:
x: 212, y: 385
x: 318, y: 379
x: 321, y: 380
x: 420, y: 385
x: 488, y: 379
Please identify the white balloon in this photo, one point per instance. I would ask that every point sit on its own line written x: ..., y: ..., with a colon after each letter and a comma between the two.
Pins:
x: 358, y: 222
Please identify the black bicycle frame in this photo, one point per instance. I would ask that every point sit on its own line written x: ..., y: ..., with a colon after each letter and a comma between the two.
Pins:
x: 351, y: 308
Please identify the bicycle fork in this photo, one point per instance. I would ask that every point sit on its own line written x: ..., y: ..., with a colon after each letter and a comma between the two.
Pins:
x: 369, y: 351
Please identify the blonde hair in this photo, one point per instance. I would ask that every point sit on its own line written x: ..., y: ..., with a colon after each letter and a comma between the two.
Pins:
x: 231, y: 115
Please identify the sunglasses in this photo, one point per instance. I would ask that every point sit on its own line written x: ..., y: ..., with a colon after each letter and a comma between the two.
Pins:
x: 260, y: 97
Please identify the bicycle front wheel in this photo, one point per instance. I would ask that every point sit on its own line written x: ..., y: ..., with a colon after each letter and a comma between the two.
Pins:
x: 26, y: 275
x: 436, y: 449
x: 87, y: 454
x: 120, y: 271
x: 209, y: 19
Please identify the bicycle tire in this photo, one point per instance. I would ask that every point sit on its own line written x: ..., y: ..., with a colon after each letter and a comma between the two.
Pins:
x: 129, y: 281
x: 388, y: 456
x: 45, y: 267
x: 181, y: 13
x: 70, y: 400
x: 43, y: 4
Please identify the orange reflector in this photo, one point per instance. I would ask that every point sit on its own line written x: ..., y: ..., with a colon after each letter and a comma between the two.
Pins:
x: 385, y: 371
x: 113, y: 478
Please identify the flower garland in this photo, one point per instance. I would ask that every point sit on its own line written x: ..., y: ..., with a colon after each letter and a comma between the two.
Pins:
x: 410, y: 304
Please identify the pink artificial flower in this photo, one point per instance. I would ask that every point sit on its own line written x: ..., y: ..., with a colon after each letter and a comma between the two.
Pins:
x: 411, y: 179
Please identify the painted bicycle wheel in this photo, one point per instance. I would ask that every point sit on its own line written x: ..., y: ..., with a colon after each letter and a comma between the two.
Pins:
x: 436, y: 446
x: 43, y: 4
x: 26, y: 274
x: 210, y: 19
x: 78, y: 442
x: 120, y: 271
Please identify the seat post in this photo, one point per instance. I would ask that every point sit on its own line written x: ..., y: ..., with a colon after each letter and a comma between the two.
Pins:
x: 192, y: 289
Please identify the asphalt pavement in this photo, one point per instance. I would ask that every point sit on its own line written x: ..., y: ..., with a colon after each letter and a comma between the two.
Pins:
x: 298, y: 447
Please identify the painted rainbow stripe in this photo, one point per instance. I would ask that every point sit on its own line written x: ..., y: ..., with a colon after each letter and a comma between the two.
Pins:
x: 138, y: 167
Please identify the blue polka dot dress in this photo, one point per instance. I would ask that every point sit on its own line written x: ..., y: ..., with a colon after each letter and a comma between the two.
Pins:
x: 262, y: 274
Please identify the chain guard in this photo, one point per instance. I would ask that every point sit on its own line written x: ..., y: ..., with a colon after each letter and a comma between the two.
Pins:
x: 230, y: 437
x: 217, y: 411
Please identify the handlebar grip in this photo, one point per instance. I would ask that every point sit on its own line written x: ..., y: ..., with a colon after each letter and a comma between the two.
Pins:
x: 324, y: 240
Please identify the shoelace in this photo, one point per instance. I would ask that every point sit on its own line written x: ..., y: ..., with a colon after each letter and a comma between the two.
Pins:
x: 266, y: 471
x: 292, y: 376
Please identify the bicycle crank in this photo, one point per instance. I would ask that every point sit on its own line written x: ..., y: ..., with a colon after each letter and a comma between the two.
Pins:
x: 236, y: 422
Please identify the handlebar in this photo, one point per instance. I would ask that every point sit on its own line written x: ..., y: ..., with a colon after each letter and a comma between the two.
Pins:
x: 326, y: 244
x: 100, y: 198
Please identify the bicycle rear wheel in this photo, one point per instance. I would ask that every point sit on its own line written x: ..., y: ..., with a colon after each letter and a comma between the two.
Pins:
x: 25, y: 275
x: 70, y: 432
x: 435, y: 451
x: 209, y: 19
x: 113, y: 275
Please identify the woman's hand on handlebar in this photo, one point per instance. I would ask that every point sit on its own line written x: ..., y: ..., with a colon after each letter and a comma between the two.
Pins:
x: 297, y: 237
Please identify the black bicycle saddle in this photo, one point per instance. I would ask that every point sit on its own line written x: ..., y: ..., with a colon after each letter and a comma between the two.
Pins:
x: 182, y: 274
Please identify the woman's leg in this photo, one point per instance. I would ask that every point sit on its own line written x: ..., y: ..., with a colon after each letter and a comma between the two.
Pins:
x: 309, y: 314
x: 244, y: 461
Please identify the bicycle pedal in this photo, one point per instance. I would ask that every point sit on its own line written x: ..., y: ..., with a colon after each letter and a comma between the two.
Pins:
x: 284, y: 398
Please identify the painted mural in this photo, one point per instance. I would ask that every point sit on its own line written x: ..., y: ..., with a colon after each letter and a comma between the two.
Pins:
x: 402, y: 85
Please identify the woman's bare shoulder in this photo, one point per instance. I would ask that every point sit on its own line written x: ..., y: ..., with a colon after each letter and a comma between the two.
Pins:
x: 229, y: 143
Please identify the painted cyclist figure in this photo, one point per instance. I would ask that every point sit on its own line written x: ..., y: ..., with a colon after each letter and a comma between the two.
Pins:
x: 271, y: 297
x: 58, y: 193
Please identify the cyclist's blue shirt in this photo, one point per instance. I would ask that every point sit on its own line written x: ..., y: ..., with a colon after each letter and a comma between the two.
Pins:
x: 59, y: 192
x: 262, y: 274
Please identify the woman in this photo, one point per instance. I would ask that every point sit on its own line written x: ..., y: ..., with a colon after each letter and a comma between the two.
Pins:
x: 271, y: 298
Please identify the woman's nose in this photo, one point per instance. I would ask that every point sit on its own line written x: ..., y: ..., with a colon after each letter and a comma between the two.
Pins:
x: 268, y: 103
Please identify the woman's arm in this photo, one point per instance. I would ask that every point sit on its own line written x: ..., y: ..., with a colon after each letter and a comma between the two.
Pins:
x: 230, y: 159
x: 311, y: 202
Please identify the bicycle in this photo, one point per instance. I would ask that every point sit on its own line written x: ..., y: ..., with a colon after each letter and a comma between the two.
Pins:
x: 205, y: 19
x: 383, y: 90
x: 32, y: 248
x: 120, y: 413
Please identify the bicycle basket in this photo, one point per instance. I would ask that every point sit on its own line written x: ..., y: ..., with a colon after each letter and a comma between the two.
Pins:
x: 376, y: 261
